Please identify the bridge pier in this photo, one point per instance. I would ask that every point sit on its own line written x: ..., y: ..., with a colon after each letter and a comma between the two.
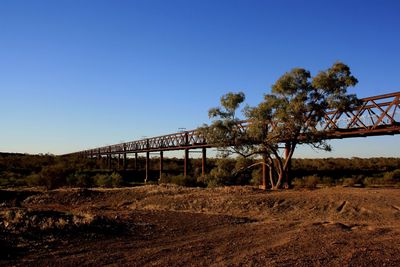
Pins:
x: 119, y: 160
x: 186, y: 162
x: 161, y: 164
x: 147, y: 166
x: 203, y: 162
x: 124, y: 161
x: 109, y: 159
x: 136, y: 159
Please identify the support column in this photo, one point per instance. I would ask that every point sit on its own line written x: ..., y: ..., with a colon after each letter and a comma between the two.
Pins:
x: 124, y: 160
x: 119, y: 160
x: 109, y: 161
x: 109, y: 158
x: 203, y: 162
x: 147, y: 166
x: 186, y: 162
x: 161, y: 164
x: 136, y: 159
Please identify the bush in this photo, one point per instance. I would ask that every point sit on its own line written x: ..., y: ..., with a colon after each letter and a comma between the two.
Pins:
x: 116, y: 179
x: 298, y: 182
x: 389, y: 178
x: 311, y: 181
x: 54, y: 176
x: 179, y: 180
x: 214, y: 181
x: 327, y: 181
x: 102, y: 180
x: 221, y: 174
x: 349, y: 182
x: 80, y: 180
x: 35, y: 180
x: 392, y: 177
x: 256, y: 177
x: 371, y: 181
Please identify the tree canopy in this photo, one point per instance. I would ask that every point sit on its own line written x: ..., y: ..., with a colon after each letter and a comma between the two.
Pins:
x: 288, y: 116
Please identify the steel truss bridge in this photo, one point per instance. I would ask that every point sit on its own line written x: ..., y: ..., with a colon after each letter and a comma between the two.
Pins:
x: 377, y: 115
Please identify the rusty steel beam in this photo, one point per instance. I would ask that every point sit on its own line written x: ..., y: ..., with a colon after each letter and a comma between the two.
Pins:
x: 203, y: 161
x: 378, y: 115
x: 186, y: 162
x: 147, y: 166
x: 161, y: 164
x: 136, y: 161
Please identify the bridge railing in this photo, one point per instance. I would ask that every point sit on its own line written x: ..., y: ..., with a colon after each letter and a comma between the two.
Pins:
x: 376, y: 115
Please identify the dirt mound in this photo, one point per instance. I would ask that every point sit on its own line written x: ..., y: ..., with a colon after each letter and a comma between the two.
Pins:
x: 11, y: 198
x: 22, y: 221
x: 22, y: 229
x: 332, y: 204
x: 65, y: 197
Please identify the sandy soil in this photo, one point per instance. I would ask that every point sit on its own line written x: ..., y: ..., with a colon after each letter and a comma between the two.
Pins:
x: 175, y: 226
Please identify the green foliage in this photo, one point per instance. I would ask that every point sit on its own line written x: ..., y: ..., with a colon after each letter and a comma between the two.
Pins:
x: 116, y: 179
x: 256, y: 177
x: 54, y: 176
x: 179, y: 180
x: 371, y: 181
x: 298, y: 183
x: 393, y: 176
x: 52, y: 172
x: 34, y: 179
x: 80, y: 179
x: 102, y: 180
x: 222, y: 174
x: 327, y: 181
x: 349, y: 182
x: 293, y: 110
x: 311, y: 182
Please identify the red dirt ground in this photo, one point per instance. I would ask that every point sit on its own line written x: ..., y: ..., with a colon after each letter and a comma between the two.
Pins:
x: 174, y: 226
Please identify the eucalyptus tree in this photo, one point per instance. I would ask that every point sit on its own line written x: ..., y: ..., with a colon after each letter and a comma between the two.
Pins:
x: 288, y: 116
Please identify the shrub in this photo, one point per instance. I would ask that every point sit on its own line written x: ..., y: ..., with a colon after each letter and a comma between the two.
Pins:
x: 214, y: 181
x: 391, y: 177
x: 348, y: 182
x: 102, y: 180
x: 80, y: 180
x: 222, y: 174
x: 298, y: 182
x: 370, y: 181
x: 311, y: 181
x: 256, y: 177
x: 54, y: 176
x: 327, y: 181
x: 35, y: 180
x: 179, y: 180
x: 116, y: 179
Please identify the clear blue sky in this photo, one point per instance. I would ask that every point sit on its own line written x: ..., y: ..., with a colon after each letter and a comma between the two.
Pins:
x: 81, y: 74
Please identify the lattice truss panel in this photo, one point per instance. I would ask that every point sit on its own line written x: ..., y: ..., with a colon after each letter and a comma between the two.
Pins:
x: 379, y: 115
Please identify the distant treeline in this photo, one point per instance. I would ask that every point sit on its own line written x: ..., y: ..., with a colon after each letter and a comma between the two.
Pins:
x: 53, y: 171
